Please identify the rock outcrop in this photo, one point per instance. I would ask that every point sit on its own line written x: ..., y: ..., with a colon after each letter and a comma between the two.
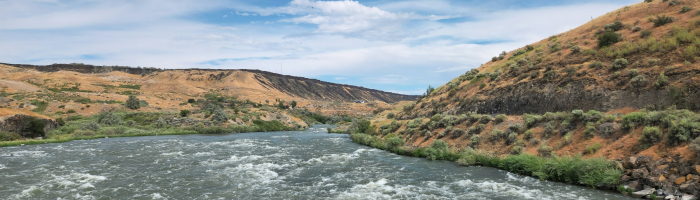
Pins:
x: 666, y: 177
x: 19, y: 122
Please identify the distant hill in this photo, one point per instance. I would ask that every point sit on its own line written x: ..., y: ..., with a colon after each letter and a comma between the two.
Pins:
x: 641, y: 56
x: 244, y: 82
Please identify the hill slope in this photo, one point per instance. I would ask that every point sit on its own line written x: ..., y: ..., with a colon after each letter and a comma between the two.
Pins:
x: 255, y: 82
x: 653, y: 65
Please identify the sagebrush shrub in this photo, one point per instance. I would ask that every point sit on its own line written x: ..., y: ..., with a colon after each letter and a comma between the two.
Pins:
x: 619, y: 63
x: 500, y: 118
x: 661, y: 80
x: 639, y: 81
x: 651, y: 135
x: 662, y: 20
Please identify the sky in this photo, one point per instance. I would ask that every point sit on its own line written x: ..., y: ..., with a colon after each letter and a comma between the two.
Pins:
x: 395, y: 46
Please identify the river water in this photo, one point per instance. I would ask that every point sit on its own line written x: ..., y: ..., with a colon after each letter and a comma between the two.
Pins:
x: 307, y: 164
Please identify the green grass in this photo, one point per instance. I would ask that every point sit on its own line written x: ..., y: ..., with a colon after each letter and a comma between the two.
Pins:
x: 135, y: 87
x: 594, y: 172
x: 40, y: 106
x: 68, y: 138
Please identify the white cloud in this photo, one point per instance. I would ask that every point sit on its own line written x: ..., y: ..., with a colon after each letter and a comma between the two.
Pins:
x: 386, y: 44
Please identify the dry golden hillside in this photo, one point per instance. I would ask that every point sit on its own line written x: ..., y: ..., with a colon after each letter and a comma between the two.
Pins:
x: 71, y: 87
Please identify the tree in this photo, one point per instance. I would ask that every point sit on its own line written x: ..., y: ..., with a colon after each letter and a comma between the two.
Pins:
x: 281, y: 105
x: 133, y: 102
x: 34, y: 128
x: 294, y: 104
x: 429, y: 90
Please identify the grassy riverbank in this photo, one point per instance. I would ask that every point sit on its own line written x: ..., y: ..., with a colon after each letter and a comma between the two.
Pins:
x: 594, y: 172
x: 131, y: 124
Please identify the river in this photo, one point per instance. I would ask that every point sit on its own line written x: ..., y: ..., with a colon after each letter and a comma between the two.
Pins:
x: 307, y: 164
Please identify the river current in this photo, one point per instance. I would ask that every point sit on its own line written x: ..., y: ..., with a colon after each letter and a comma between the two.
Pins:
x: 307, y: 164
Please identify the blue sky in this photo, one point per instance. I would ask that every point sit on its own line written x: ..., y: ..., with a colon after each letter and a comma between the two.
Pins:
x: 398, y: 46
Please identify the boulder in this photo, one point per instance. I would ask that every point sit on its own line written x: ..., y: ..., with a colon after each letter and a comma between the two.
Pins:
x: 662, y: 178
x: 639, y: 173
x: 679, y: 180
x: 688, y: 197
x: 634, y: 185
x: 624, y: 178
x: 642, y: 193
x: 696, y: 169
x: 670, y: 197
x: 631, y: 163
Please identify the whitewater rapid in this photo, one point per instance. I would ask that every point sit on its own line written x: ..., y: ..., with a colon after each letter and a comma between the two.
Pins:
x: 277, y: 165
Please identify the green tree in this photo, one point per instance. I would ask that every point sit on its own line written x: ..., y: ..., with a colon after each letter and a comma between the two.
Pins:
x: 429, y: 90
x: 34, y: 128
x: 294, y: 104
x: 281, y: 105
x: 133, y: 102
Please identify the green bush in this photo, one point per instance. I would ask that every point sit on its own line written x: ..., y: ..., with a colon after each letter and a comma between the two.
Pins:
x: 636, y: 29
x: 590, y: 130
x: 531, y: 120
x: 133, y: 103
x: 390, y: 127
x: 391, y: 115
x: 500, y: 118
x: 608, y: 38
x: 9, y: 136
x: 515, y: 127
x: 512, y: 137
x: 497, y: 134
x: 686, y: 9
x: 695, y: 145
x: 661, y: 80
x: 485, y: 119
x: 597, y: 65
x: 70, y: 111
x: 91, y: 126
x: 575, y: 49
x: 550, y: 75
x: 651, y: 135
x: 548, y: 129
x: 633, y: 119
x: 591, y: 149
x: 439, y: 150
x: 457, y: 133
x: 475, y: 129
x: 662, y: 20
x: 184, y: 113
x: 612, y: 27
x: 619, y: 63
x: 645, y: 34
x: 109, y: 118
x: 476, y: 139
x: 273, y: 125
x: 393, y: 141
x: 528, y: 135
x: 639, y: 81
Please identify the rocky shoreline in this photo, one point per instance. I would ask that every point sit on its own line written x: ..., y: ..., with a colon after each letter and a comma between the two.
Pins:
x: 664, y: 178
